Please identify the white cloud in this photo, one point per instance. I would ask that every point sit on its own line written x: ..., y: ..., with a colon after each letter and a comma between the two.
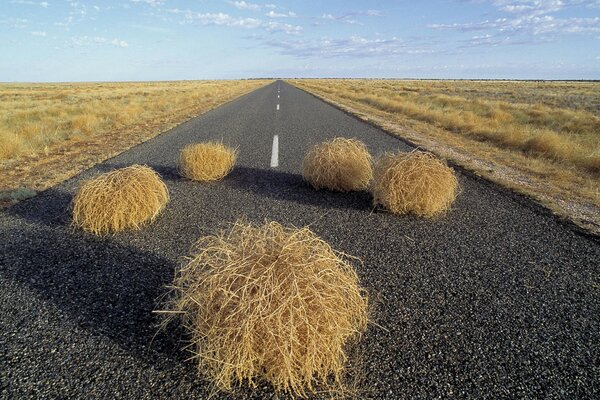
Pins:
x: 529, y: 7
x: 152, y: 3
x: 286, y: 28
x: 527, y: 21
x: 242, y: 5
x: 532, y: 25
x: 44, y: 4
x: 119, y: 43
x: 38, y: 33
x: 223, y: 19
x: 350, y: 17
x: 273, y: 14
x: 355, y: 47
x: 81, y: 41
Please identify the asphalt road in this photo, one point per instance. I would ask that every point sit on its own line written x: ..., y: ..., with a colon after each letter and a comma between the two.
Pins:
x: 497, y: 299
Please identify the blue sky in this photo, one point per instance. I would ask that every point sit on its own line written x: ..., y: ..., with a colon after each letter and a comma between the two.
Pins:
x: 62, y: 40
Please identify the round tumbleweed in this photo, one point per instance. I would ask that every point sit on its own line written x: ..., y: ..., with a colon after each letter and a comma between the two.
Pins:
x: 339, y: 164
x: 270, y: 303
x: 206, y: 162
x: 118, y: 200
x: 414, y: 183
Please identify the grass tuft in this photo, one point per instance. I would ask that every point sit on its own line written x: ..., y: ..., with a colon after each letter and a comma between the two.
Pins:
x: 206, y: 162
x: 339, y: 164
x: 16, y: 195
x: 118, y: 200
x: 269, y: 303
x: 414, y: 183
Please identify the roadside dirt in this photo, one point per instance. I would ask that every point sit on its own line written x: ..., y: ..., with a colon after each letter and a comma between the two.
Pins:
x: 583, y: 214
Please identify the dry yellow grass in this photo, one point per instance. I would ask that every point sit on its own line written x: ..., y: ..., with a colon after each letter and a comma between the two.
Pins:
x: 122, y: 199
x: 206, y: 162
x: 35, y: 116
x: 523, y: 127
x: 51, y: 132
x: 269, y: 303
x: 339, y: 164
x: 539, y: 138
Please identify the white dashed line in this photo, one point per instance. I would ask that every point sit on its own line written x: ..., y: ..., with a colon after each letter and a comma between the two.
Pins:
x: 275, y: 152
x: 278, y: 107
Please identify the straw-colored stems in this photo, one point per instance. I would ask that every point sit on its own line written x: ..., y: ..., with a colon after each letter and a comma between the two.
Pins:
x: 270, y: 303
x: 339, y: 164
x: 414, y: 183
x: 206, y: 162
x: 118, y: 200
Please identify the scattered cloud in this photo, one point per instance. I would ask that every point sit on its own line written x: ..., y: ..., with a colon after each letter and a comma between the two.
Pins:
x: 242, y: 5
x: 355, y: 46
x: 152, y: 3
x: 290, y: 29
x: 81, y: 41
x: 223, y: 19
x: 351, y: 17
x: 273, y: 14
x: 533, y: 25
x: 529, y: 7
x: 526, y: 22
x: 38, y: 33
x: 44, y: 4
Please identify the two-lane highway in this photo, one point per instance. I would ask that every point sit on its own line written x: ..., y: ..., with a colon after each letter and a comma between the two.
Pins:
x: 497, y: 299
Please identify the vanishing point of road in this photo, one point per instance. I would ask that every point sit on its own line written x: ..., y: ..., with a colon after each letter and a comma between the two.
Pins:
x: 496, y: 299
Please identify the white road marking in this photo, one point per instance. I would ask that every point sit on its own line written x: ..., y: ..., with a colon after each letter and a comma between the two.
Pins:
x: 277, y: 96
x: 277, y: 106
x: 275, y: 152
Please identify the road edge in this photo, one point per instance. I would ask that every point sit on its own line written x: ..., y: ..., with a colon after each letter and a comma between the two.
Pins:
x: 524, y: 198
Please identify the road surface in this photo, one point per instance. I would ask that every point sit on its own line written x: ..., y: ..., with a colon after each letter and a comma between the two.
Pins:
x: 497, y: 299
